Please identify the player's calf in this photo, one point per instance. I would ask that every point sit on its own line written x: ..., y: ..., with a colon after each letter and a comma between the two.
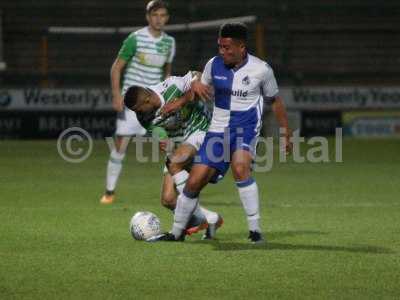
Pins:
x: 167, y: 205
x: 168, y: 193
x: 181, y: 157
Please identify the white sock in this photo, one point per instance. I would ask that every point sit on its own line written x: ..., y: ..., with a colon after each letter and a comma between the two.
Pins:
x: 198, y: 213
x: 212, y: 217
x: 114, y: 168
x: 183, y: 211
x: 180, y: 179
x: 248, y: 193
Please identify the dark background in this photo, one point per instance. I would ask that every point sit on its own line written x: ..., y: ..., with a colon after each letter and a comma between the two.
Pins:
x: 306, y: 42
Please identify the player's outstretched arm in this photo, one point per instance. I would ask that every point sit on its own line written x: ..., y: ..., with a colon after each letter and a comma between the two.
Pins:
x: 202, y: 90
x: 279, y: 109
x: 116, y: 71
x: 177, y: 103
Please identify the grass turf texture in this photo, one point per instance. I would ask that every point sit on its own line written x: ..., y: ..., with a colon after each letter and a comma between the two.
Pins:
x: 332, y: 230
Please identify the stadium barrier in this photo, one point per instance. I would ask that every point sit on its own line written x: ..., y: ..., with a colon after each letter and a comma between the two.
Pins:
x: 193, y: 26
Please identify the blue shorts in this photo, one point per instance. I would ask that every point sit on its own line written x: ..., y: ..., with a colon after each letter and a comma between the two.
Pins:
x: 218, y: 147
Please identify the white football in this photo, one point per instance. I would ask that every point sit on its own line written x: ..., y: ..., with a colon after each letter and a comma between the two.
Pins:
x: 144, y: 225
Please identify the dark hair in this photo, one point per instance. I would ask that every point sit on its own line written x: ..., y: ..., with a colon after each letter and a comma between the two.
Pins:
x: 133, y: 96
x: 156, y: 4
x: 234, y: 30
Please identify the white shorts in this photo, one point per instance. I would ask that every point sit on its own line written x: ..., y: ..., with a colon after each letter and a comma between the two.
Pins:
x: 128, y: 124
x: 195, y: 139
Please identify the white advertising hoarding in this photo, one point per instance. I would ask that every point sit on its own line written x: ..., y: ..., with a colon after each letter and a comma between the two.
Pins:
x: 55, y: 99
x: 296, y: 98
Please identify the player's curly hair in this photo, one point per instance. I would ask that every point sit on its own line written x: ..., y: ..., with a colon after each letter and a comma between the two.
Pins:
x: 234, y: 30
x: 135, y: 95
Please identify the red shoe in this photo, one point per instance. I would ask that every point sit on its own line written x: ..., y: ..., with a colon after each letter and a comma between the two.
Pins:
x: 196, y: 228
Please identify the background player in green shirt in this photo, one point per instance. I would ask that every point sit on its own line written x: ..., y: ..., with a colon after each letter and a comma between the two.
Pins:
x: 144, y: 59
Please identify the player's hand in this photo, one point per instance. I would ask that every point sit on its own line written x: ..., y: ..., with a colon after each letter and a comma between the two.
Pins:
x: 118, y: 103
x: 165, y: 145
x: 202, y: 90
x: 288, y: 146
x: 177, y: 103
x: 170, y: 107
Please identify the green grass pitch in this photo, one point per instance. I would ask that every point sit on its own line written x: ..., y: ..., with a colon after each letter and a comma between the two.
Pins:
x: 333, y: 230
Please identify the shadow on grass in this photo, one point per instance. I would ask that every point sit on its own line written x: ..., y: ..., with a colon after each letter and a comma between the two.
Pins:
x: 219, y: 203
x: 229, y: 246
x: 271, y: 246
x: 280, y: 234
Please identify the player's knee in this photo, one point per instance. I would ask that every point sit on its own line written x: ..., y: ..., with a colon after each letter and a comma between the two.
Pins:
x: 174, y: 168
x: 177, y: 163
x: 240, y: 171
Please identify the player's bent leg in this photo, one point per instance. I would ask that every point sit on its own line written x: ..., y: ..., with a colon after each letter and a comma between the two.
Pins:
x: 198, y: 220
x: 199, y: 177
x: 248, y: 192
x: 202, y: 218
x: 168, y: 192
x: 182, y: 156
x: 114, y: 167
x: 188, y: 200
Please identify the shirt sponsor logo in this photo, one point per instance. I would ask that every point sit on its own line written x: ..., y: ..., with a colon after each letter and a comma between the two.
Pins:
x: 228, y: 92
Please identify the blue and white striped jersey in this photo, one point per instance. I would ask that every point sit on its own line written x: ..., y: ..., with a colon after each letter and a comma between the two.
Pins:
x: 239, y: 92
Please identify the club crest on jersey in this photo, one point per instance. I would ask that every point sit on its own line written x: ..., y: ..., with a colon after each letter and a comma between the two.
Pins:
x: 246, y: 80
